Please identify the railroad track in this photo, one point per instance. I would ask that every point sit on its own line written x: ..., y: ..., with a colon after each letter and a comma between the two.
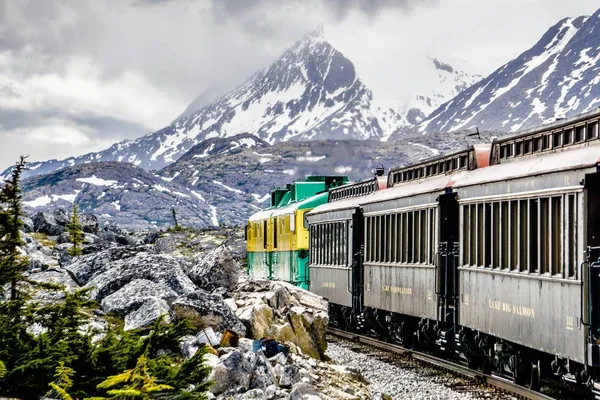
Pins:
x: 491, y: 380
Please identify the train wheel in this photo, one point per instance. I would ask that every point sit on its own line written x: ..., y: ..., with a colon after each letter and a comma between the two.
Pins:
x: 535, y: 376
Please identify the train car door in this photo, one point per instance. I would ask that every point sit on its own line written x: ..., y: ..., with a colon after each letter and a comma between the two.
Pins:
x: 446, y: 273
x: 358, y: 241
x: 592, y: 275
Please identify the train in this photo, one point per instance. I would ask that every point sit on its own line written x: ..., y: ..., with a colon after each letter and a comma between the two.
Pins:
x: 489, y: 255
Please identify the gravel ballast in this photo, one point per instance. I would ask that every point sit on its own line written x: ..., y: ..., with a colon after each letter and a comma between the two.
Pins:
x: 402, y: 378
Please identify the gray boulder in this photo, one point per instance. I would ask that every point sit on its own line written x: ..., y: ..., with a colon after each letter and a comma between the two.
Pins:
x: 27, y: 224
x: 207, y: 309
x: 46, y: 223
x: 89, y: 223
x: 134, y: 294
x: 55, y: 276
x: 145, y: 316
x: 114, y: 233
x: 61, y: 216
x: 215, y: 269
x: 162, y: 269
x: 232, y: 373
x: 96, y: 262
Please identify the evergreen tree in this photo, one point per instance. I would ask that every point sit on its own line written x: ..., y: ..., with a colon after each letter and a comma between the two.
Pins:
x: 12, y: 263
x: 176, y: 228
x: 75, y: 232
x: 136, y: 383
x: 2, y: 370
x: 62, y: 383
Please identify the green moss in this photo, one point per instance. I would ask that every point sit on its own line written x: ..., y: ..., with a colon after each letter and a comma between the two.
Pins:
x: 42, y: 238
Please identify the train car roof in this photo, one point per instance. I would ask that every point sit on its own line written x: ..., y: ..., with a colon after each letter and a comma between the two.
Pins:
x: 300, y: 205
x: 338, y: 205
x: 577, y: 158
x: 260, y: 215
x: 432, y: 184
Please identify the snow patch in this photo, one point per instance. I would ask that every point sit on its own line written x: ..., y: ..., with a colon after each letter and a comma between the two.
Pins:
x: 93, y: 180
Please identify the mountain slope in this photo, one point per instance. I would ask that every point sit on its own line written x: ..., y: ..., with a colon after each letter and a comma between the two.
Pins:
x: 118, y: 193
x: 558, y: 77
x: 237, y: 183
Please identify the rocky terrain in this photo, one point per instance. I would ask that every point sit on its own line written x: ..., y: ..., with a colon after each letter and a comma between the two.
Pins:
x: 140, y: 277
x: 118, y: 193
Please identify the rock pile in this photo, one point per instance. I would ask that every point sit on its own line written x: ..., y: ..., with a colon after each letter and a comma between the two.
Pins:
x: 284, y: 312
x: 242, y: 373
x: 141, y: 278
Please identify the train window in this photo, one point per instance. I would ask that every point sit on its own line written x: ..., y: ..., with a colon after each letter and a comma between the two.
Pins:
x: 518, y: 148
x: 592, y: 131
x: 388, y: 238
x: 423, y: 240
x: 405, y: 236
x: 523, y: 235
x: 556, y: 240
x: 265, y: 234
x: 372, y: 239
x: 312, y: 250
x: 495, y: 228
x: 417, y: 237
x: 544, y: 235
x: 473, y: 238
x: 480, y: 234
x: 546, y: 142
x: 464, y: 161
x: 556, y: 139
x: 336, y: 243
x: 537, y: 144
x: 488, y: 237
x: 514, y: 235
x: 431, y: 235
x: 393, y: 240
x: 382, y: 239
x: 579, y: 133
x: 509, y: 149
x: 465, y: 236
x: 503, y: 153
x: 397, y: 256
x: 275, y: 228
x: 410, y: 238
x: 367, y: 238
x: 572, y: 236
x: 533, y: 235
x: 504, y: 235
x: 568, y: 136
x: 527, y: 146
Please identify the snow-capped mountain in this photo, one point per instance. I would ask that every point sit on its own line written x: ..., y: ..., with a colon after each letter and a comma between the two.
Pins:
x: 558, y: 77
x: 312, y: 92
x: 439, y: 82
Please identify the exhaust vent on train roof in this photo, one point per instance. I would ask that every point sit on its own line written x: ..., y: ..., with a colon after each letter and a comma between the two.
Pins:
x: 563, y: 134
x: 477, y: 156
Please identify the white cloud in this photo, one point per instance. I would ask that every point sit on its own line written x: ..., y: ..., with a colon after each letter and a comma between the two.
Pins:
x: 78, y: 75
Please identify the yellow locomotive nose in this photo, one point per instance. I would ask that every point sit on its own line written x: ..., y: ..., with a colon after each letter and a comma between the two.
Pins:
x: 278, y: 238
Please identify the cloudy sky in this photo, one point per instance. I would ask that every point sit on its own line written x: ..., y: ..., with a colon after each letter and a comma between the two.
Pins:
x: 79, y: 75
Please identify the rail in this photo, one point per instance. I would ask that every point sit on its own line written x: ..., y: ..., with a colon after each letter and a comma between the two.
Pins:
x: 491, y: 380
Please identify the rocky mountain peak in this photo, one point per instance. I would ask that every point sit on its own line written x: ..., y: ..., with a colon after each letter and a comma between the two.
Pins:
x: 557, y: 77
